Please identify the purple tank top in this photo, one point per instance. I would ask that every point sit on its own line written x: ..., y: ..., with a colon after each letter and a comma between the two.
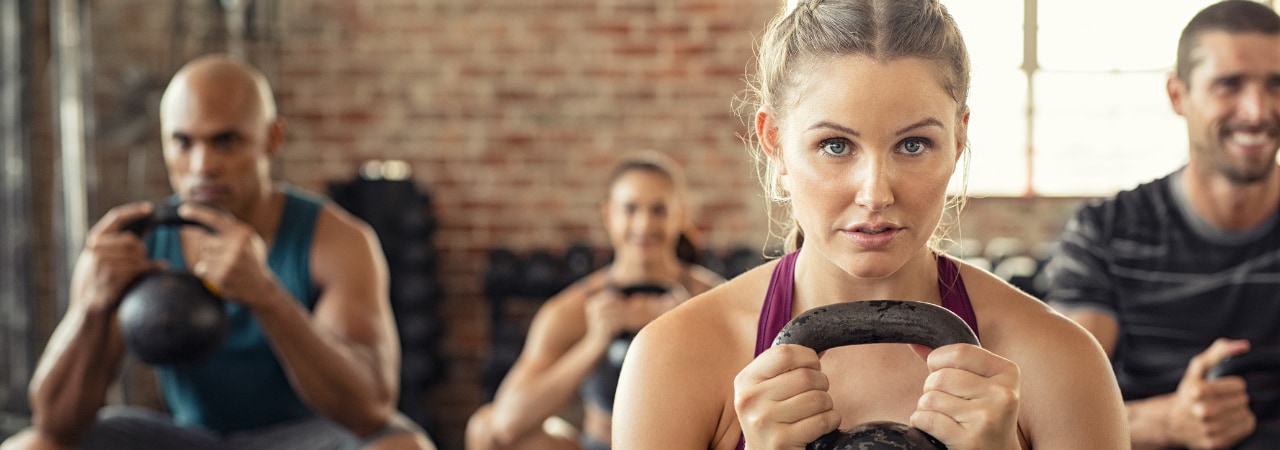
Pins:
x: 776, y: 311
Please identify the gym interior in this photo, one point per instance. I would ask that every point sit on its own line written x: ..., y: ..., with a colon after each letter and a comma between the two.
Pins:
x: 474, y: 136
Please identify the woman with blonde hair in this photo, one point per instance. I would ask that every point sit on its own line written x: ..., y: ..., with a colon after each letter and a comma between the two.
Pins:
x: 860, y: 120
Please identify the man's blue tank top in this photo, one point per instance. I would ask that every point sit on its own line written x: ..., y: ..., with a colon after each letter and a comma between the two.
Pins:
x: 243, y: 386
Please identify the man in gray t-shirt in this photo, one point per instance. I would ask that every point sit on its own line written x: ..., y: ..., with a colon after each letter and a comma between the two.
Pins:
x: 1177, y: 274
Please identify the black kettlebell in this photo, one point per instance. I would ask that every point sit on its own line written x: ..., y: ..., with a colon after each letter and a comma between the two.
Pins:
x: 170, y: 317
x: 1254, y: 362
x: 876, y: 322
x: 602, y: 383
x: 1260, y: 360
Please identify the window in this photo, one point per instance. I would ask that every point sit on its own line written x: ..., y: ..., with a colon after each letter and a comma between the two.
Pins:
x: 1096, y: 118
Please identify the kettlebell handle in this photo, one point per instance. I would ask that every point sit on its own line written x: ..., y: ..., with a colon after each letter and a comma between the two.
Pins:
x: 644, y: 288
x: 876, y: 322
x: 162, y: 213
x: 170, y: 317
x: 1259, y: 360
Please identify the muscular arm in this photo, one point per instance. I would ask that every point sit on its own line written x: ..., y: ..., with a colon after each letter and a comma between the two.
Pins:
x: 83, y: 355
x: 1162, y: 421
x: 343, y: 358
x: 70, y: 384
x: 554, y: 362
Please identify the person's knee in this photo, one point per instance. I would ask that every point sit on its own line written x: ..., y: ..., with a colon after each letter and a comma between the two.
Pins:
x: 402, y: 441
x: 480, y: 432
x: 399, y: 433
x: 30, y: 439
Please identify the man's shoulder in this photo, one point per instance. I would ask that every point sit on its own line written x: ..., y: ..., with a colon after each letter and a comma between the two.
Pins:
x: 304, y: 196
x: 1151, y: 200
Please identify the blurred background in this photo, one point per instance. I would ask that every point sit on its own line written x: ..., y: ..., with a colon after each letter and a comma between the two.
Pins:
x: 476, y: 135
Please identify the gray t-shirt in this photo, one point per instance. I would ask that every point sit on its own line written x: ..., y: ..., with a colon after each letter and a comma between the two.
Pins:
x: 1172, y: 281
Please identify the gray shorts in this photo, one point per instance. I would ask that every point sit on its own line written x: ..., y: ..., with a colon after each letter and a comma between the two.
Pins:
x: 137, y: 428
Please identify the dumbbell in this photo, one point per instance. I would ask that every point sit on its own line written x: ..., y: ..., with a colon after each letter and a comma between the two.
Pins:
x: 876, y: 322
x: 170, y: 317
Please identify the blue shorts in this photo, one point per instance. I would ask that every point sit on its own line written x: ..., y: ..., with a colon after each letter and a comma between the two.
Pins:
x: 137, y: 428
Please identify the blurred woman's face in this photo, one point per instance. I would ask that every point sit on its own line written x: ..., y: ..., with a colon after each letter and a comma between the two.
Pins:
x: 642, y: 214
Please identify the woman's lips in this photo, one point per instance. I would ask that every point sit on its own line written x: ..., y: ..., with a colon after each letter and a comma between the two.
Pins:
x: 872, y: 236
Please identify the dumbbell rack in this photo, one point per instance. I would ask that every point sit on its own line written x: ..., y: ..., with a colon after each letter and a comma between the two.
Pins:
x: 515, y: 285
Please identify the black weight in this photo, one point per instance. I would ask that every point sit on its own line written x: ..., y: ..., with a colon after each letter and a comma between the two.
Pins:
x: 651, y: 289
x: 579, y: 261
x: 1259, y: 367
x: 170, y: 317
x: 1264, y: 360
x: 541, y: 275
x: 503, y: 277
x: 877, y: 436
x: 876, y: 322
x: 602, y: 384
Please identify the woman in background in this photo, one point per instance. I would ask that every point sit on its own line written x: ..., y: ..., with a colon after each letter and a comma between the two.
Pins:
x: 578, y: 336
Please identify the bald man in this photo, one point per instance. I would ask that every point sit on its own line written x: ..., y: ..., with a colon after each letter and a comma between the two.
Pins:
x: 311, y: 360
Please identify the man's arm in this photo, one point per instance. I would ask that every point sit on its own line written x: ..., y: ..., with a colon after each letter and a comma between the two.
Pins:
x: 83, y: 355
x: 343, y: 358
x: 1199, y: 414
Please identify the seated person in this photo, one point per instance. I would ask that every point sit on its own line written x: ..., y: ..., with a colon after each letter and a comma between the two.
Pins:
x: 861, y: 115
x: 1177, y: 274
x: 311, y: 358
x: 571, y: 341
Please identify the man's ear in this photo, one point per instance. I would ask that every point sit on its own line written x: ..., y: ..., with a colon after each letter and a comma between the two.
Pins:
x: 1177, y: 91
x: 767, y: 133
x: 275, y: 137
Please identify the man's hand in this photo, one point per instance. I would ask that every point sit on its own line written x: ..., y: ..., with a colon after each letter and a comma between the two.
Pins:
x: 111, y: 259
x: 232, y: 259
x: 1211, y: 414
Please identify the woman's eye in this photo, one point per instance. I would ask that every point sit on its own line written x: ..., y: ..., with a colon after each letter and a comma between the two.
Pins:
x: 835, y: 147
x: 914, y: 146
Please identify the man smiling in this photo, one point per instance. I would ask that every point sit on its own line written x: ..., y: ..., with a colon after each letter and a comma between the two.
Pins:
x: 1177, y: 274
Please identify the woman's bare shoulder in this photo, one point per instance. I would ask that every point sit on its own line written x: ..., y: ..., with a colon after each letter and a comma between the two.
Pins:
x: 1066, y: 380
x: 721, y: 316
x: 702, y: 279
x: 1011, y: 321
x: 690, y: 356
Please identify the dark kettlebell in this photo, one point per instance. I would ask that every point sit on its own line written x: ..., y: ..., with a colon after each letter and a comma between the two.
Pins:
x: 876, y: 322
x: 642, y: 288
x: 170, y: 317
x: 602, y: 383
x: 1260, y: 361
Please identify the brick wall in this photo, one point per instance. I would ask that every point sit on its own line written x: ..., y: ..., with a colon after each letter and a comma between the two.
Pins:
x: 509, y: 112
